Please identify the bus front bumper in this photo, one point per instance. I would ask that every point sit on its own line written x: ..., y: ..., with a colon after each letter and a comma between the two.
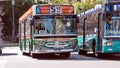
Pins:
x: 54, y: 51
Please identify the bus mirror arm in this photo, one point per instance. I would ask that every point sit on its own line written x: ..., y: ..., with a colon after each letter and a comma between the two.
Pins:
x: 103, y: 16
x: 31, y: 22
x: 85, y: 19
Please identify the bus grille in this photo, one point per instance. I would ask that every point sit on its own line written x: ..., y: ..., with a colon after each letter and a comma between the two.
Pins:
x: 56, y: 44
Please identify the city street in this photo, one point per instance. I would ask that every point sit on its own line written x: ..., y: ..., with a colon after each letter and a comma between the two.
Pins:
x: 59, y: 26
x: 12, y: 58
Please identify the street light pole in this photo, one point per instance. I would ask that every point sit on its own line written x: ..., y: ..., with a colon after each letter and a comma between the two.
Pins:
x: 13, y: 24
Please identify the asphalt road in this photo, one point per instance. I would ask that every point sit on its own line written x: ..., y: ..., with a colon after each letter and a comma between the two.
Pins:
x: 12, y: 58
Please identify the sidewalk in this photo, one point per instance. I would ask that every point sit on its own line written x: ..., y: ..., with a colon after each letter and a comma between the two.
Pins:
x: 8, y: 43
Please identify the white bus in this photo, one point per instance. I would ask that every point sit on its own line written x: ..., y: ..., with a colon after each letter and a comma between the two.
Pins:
x: 48, y: 29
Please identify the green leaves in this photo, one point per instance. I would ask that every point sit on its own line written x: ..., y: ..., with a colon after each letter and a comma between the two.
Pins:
x: 60, y: 2
x: 78, y: 7
x: 86, y: 4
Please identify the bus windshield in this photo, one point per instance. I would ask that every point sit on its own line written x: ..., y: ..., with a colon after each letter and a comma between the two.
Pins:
x: 54, y: 25
x: 112, y: 26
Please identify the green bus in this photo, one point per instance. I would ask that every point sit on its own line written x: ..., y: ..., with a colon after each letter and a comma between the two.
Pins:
x: 48, y: 29
x: 99, y: 29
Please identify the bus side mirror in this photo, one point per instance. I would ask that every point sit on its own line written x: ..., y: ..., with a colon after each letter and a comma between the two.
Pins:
x: 31, y: 22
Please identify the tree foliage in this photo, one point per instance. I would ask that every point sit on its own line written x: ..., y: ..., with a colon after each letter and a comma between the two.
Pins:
x: 21, y: 6
x: 39, y: 2
x: 60, y: 2
x: 86, y: 4
x: 78, y: 7
x: 56, y: 2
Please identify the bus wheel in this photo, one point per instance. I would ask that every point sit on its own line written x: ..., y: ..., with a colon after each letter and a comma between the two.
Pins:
x: 82, y: 52
x: 25, y: 53
x: 98, y: 55
x: 33, y: 55
x: 65, y: 54
x: 0, y: 51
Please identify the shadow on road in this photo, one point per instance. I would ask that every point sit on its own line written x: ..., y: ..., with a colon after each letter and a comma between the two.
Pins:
x: 111, y: 57
x: 72, y: 57
x: 50, y: 57
x: 105, y: 57
x: 77, y: 57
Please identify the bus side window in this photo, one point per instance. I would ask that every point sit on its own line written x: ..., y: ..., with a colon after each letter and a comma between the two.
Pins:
x: 108, y: 22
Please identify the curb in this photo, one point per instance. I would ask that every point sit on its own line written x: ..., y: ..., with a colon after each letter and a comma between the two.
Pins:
x: 11, y: 44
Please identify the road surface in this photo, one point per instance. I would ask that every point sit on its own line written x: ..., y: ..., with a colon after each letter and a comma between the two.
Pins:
x: 12, y: 58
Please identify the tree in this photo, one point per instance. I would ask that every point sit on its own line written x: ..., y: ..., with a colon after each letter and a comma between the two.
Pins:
x: 88, y: 4
x: 39, y: 2
x: 56, y: 2
x: 78, y: 7
x: 21, y: 6
x: 60, y: 2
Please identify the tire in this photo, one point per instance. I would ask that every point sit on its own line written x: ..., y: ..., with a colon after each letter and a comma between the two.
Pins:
x: 98, y: 55
x: 65, y: 55
x: 0, y: 51
x: 82, y: 52
x: 33, y: 55
x: 24, y: 53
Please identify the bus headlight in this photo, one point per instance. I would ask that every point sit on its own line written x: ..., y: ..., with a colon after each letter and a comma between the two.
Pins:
x: 108, y: 43
x: 39, y: 42
x: 73, y: 42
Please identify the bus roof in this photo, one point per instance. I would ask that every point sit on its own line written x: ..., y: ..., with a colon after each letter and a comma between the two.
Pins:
x: 25, y: 15
x: 46, y: 9
x: 111, y: 1
x: 96, y: 8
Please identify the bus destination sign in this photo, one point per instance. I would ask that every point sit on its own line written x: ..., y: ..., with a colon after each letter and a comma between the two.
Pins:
x: 54, y: 9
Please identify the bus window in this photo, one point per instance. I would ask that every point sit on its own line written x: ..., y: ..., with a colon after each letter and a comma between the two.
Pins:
x: 108, y: 24
x: 60, y: 26
x: 107, y: 8
x: 116, y: 7
x: 112, y: 27
x: 65, y: 26
x: 57, y: 25
x: 48, y: 26
x: 39, y: 26
x: 43, y: 26
x: 68, y: 26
